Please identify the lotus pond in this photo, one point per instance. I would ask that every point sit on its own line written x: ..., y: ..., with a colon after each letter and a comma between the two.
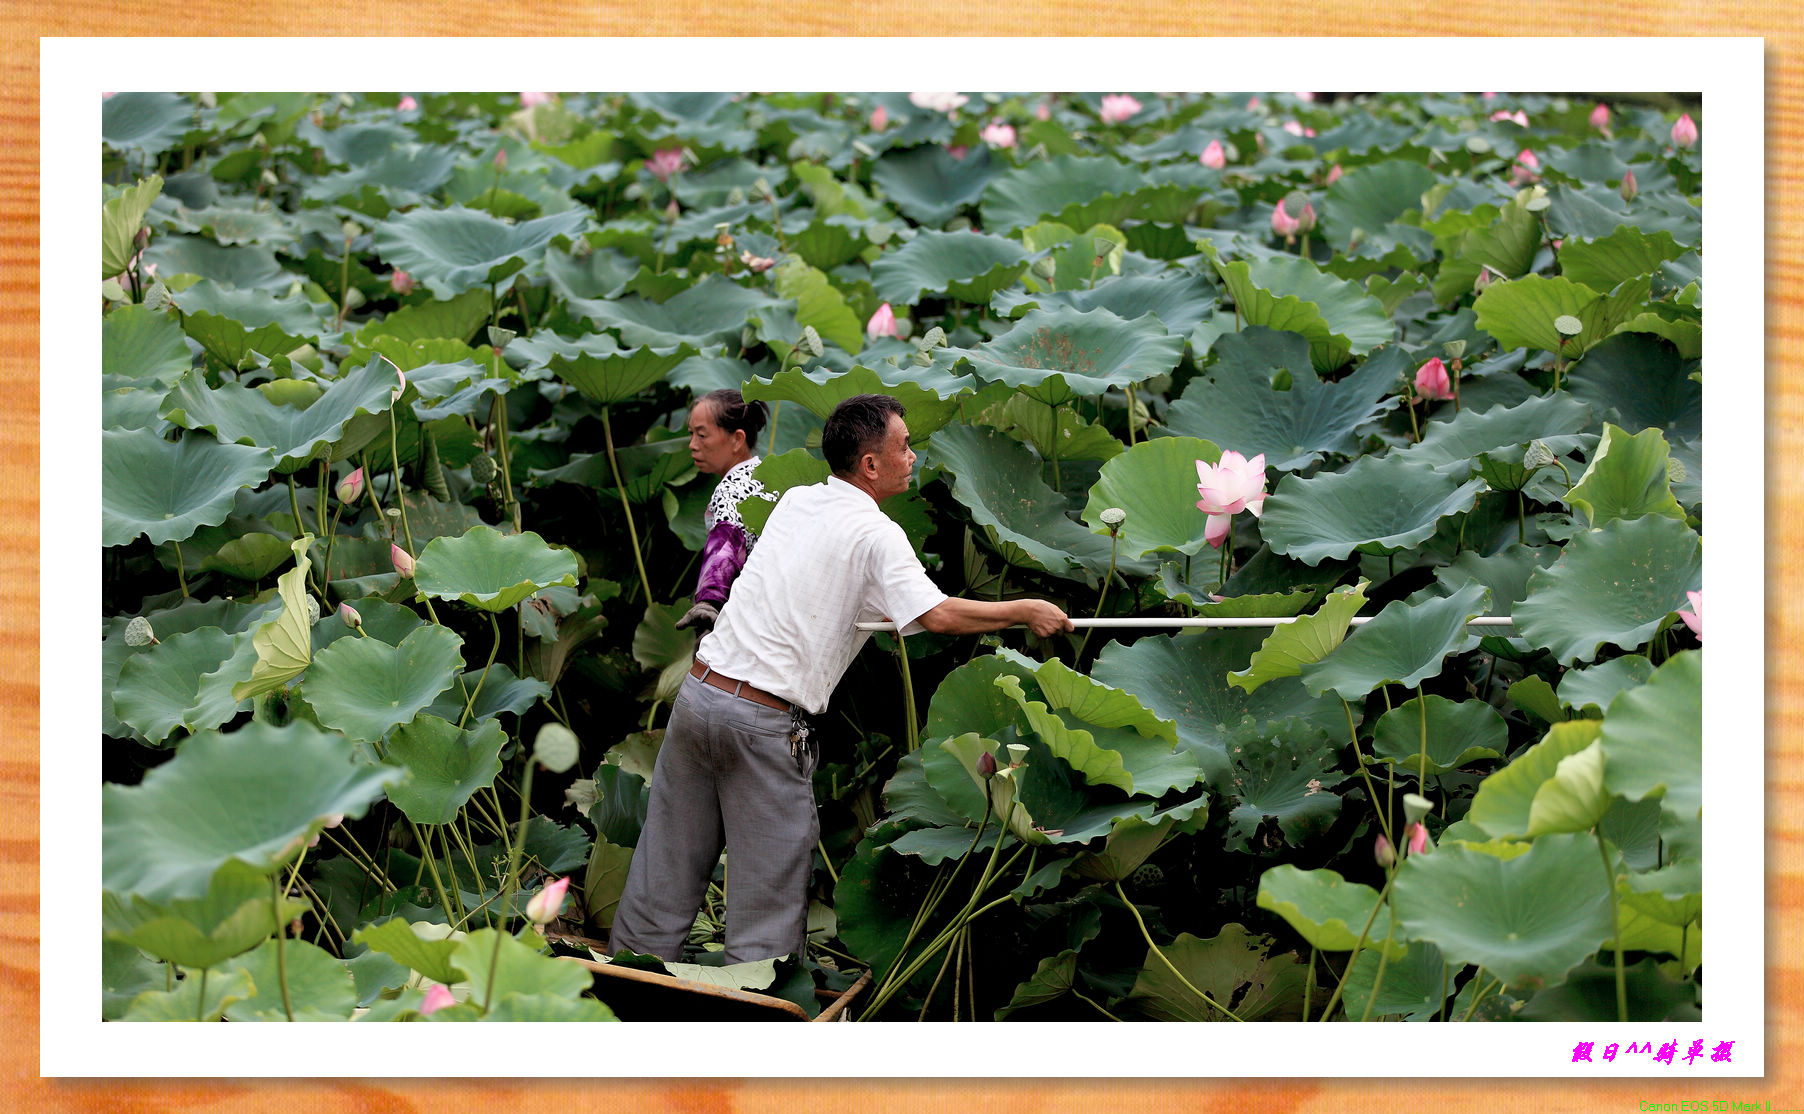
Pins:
x: 398, y: 518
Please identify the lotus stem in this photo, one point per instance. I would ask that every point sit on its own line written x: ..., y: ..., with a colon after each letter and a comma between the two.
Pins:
x: 908, y: 694
x: 1359, y: 944
x: 431, y: 864
x: 181, y: 571
x: 821, y: 846
x: 200, y: 1007
x: 1080, y: 996
x: 1415, y: 433
x: 1114, y: 544
x: 776, y: 411
x: 632, y: 531
x: 508, y: 501
x: 494, y: 648
x: 275, y: 908
x: 1163, y: 958
x: 935, y: 894
x: 1477, y: 980
x: 1622, y: 992
x: 512, y: 879
x: 1422, y: 717
x: 951, y: 953
x: 1131, y: 412
x: 1384, y: 957
x: 1384, y: 821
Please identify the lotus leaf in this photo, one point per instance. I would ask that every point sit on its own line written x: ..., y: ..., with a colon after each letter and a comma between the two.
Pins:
x: 446, y: 766
x: 180, y: 683
x: 1613, y: 586
x: 820, y: 390
x: 1058, y: 354
x: 1584, y: 689
x: 1653, y: 743
x: 929, y: 185
x: 364, y: 688
x: 1369, y: 198
x: 1055, y: 432
x: 1626, y: 253
x: 1520, y: 314
x: 500, y: 692
x: 1505, y: 572
x: 1554, y: 786
x: 1302, y: 641
x: 283, y: 645
x: 430, y: 955
x: 1448, y: 446
x: 232, y: 324
x: 1480, y: 908
x: 258, y: 794
x: 401, y: 176
x: 297, y: 435
x: 166, y: 490
x: 140, y: 344
x: 304, y: 983
x: 619, y: 375
x: 968, y: 700
x: 1233, y: 966
x: 1129, y: 844
x: 818, y: 305
x: 145, y: 123
x: 185, y: 1002
x: 1053, y: 978
x: 454, y: 249
x: 1282, y: 771
x: 1081, y: 192
x: 1290, y: 294
x: 713, y: 311
x: 1153, y: 482
x: 1643, y: 382
x: 1380, y: 504
x: 1109, y: 755
x: 659, y: 645
x: 1330, y: 912
x: 1405, y: 644
x: 1589, y: 995
x: 1415, y: 985
x: 491, y: 570
x: 1458, y: 733
x: 1627, y: 478
x: 235, y: 915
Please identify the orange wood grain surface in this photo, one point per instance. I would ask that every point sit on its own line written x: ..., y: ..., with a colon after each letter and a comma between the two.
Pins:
x: 1781, y: 22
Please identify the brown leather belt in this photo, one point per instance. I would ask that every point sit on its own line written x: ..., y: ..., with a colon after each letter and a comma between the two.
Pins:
x: 701, y: 672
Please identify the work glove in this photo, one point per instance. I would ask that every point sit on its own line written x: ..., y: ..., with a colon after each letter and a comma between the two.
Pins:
x: 702, y: 615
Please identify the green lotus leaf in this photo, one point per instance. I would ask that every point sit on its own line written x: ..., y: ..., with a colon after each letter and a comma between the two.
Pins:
x: 304, y: 983
x: 1554, y: 786
x: 231, y: 324
x: 496, y: 961
x: 658, y: 645
x: 125, y: 973
x: 1302, y: 641
x: 619, y: 375
x: 1081, y: 192
x: 1521, y: 313
x: 1180, y: 301
x: 713, y: 311
x: 911, y: 796
x: 452, y: 250
x: 1236, y: 407
x: 1507, y: 245
x: 1450, y: 446
x: 456, y: 318
x: 546, y: 1007
x: 1653, y: 743
x: 1053, y: 978
x: 1613, y: 586
x: 1679, y: 325
x: 501, y: 691
x: 166, y: 490
x: 1059, y: 354
x: 1097, y: 703
x: 1290, y: 294
x: 1583, y: 689
x: 1505, y: 572
x: 147, y: 123
x: 934, y: 846
x: 1076, y: 259
x: 967, y: 700
x: 232, y: 917
x: 258, y: 794
x: 822, y: 389
x: 1055, y: 432
x: 121, y: 217
x: 430, y: 955
x: 364, y: 687
x: 283, y: 644
x: 179, y: 683
x: 1479, y: 908
x: 818, y: 305
x: 1280, y: 771
x: 1233, y: 966
x: 604, y: 881
x: 1589, y: 995
x: 446, y: 766
x: 1380, y: 504
x: 1153, y: 482
x: 248, y: 416
x: 1459, y: 733
x: 1129, y: 844
x: 1627, y: 478
x: 140, y: 344
x: 249, y: 557
x: 1104, y: 755
x: 832, y: 241
x: 185, y: 1003
x: 1369, y: 198
x: 1405, y: 644
x: 1641, y: 381
x: 1651, y: 899
x: 402, y: 175
x: 778, y: 474
x: 1415, y: 986
x: 999, y: 482
x: 1624, y: 254
x: 645, y: 470
x: 928, y: 185
x: 491, y: 570
x: 1329, y: 911
x: 963, y: 266
x: 1534, y: 695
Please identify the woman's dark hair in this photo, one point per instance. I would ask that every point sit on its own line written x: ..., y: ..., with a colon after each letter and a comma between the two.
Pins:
x: 857, y: 426
x: 732, y: 412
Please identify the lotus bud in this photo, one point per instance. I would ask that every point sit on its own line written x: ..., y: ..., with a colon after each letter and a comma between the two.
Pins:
x: 879, y: 118
x: 408, y: 104
x: 350, y: 489
x: 1113, y: 517
x: 1283, y: 223
x: 349, y: 617
x: 1306, y: 217
x: 138, y: 632
x: 1418, y: 839
x: 437, y: 998
x: 1685, y: 131
x: 400, y: 282
x: 1629, y: 188
x: 986, y: 764
x: 1694, y: 618
x: 313, y: 611
x: 1214, y: 156
x: 501, y: 158
x: 672, y: 211
x: 1432, y: 380
x: 548, y: 902
x: 1334, y: 173
x: 882, y: 323
x: 1017, y: 754
x: 1384, y: 852
x: 1600, y: 116
x: 1538, y: 454
x: 499, y: 337
x: 482, y: 468
x: 403, y: 560
x: 1416, y: 806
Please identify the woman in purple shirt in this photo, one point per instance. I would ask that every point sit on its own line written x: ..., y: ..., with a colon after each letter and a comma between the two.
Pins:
x: 723, y: 436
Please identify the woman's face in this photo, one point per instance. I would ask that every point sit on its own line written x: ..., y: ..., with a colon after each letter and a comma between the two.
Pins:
x: 714, y: 449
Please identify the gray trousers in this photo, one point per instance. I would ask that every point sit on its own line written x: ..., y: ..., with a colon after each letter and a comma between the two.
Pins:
x: 724, y: 773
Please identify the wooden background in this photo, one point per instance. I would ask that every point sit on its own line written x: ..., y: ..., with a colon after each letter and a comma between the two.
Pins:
x: 1781, y: 22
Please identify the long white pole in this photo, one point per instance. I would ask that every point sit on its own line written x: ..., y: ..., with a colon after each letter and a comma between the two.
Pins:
x: 1480, y: 621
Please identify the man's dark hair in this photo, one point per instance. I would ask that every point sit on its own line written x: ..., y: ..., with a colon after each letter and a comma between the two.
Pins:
x: 857, y: 426
x: 731, y: 412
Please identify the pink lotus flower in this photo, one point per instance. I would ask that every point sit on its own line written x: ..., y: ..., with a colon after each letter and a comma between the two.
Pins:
x: 1306, y: 217
x: 999, y: 135
x: 1306, y: 98
x: 1489, y: 96
x: 1253, y: 104
x: 879, y: 118
x: 547, y: 903
x: 1483, y: 280
x: 664, y: 163
x: 1283, y: 223
x: 408, y: 104
x: 436, y: 999
x: 882, y: 323
x: 403, y: 560
x: 400, y: 282
x: 757, y: 264
x: 1334, y: 173
x: 501, y: 158
x: 1695, y: 617
x: 1524, y: 171
x: 349, y: 617
x: 351, y: 487
x: 1229, y: 486
x: 1384, y: 852
x: 1685, y: 131
x: 1518, y: 117
x: 1294, y: 128
x: 1417, y: 836
x: 1600, y: 116
x: 1042, y: 111
x: 1117, y: 107
x: 948, y: 103
x: 958, y: 151
x: 1213, y: 156
x: 533, y: 100
x: 1629, y: 188
x: 1432, y: 381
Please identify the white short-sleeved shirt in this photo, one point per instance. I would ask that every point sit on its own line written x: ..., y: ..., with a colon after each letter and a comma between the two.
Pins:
x: 828, y: 558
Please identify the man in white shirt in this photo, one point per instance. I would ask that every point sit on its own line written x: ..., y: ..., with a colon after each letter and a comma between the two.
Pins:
x: 732, y: 768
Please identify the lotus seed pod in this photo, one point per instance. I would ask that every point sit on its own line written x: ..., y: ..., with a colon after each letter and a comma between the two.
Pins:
x: 1044, y: 268
x: 313, y: 611
x: 1537, y: 455
x: 736, y: 196
x: 1146, y: 875
x: 555, y: 747
x: 499, y: 337
x: 931, y: 339
x: 157, y: 298
x: 1017, y: 754
x: 580, y: 248
x: 1415, y: 807
x: 811, y: 341
x: 1675, y: 470
x: 138, y: 632
x: 482, y: 468
x: 1113, y: 517
x: 1454, y: 349
x: 1568, y: 326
